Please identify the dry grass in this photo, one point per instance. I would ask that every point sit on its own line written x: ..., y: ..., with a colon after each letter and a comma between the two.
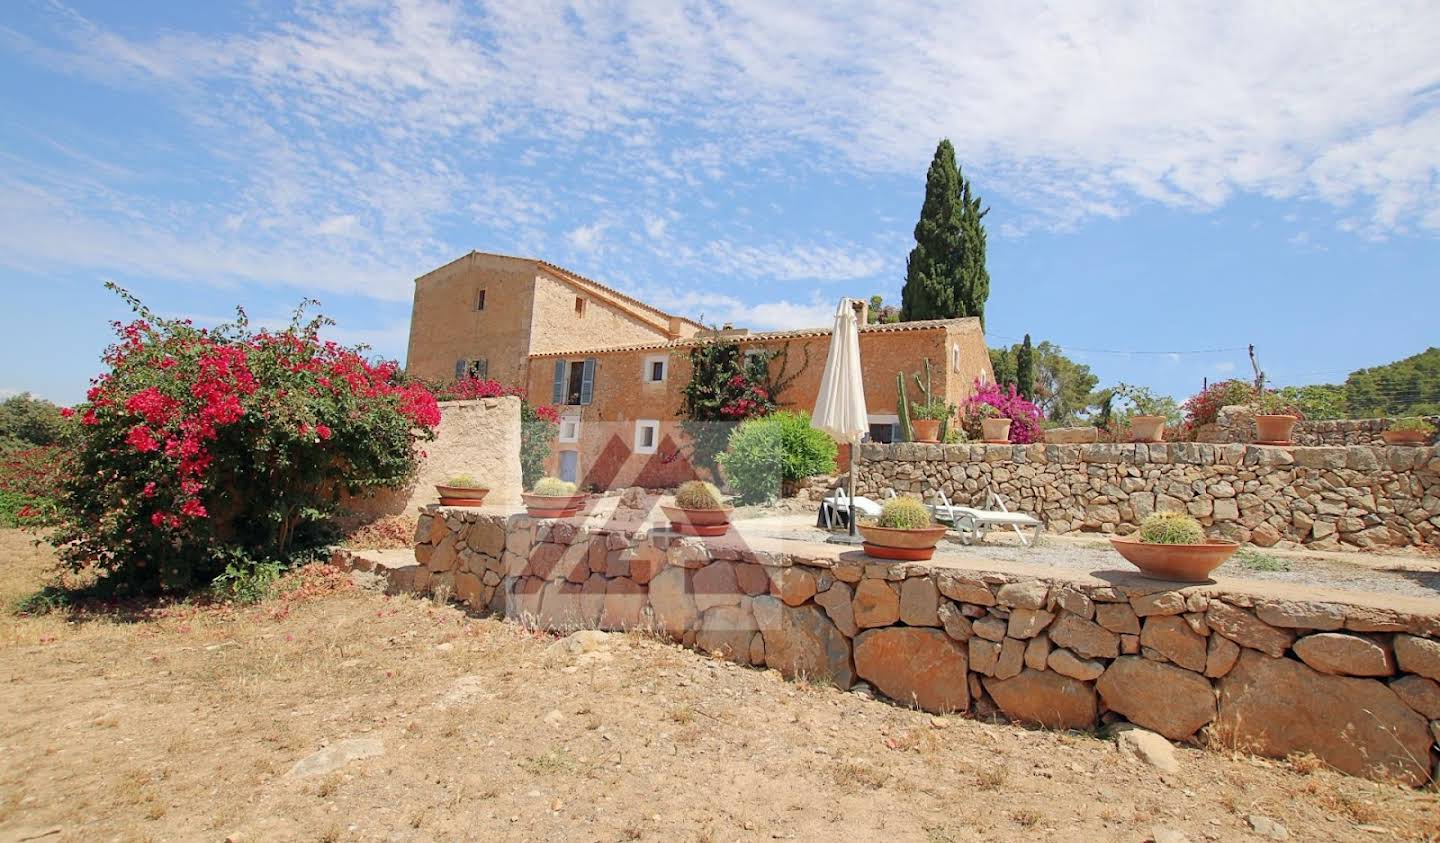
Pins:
x: 182, y: 725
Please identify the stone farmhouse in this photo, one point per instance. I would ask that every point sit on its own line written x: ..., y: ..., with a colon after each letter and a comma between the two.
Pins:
x: 614, y: 367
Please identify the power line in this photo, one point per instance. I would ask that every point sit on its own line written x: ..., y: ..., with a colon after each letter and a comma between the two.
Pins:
x: 1064, y: 347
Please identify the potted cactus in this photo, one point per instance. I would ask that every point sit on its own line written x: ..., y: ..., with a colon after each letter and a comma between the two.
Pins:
x: 699, y: 510
x: 926, y: 420
x: 1408, y: 431
x: 1275, y: 419
x: 552, y: 497
x: 1173, y: 546
x: 461, y: 490
x: 904, y: 531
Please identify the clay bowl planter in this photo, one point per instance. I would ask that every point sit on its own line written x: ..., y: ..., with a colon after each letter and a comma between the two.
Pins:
x: 1147, y: 428
x: 926, y: 430
x: 698, y: 522
x: 1405, y: 437
x: 1175, y: 562
x: 1274, y: 430
x: 461, y: 495
x: 905, y: 545
x: 995, y: 432
x: 552, y: 506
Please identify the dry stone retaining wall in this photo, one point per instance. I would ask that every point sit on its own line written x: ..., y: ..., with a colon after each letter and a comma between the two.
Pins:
x: 1357, y: 685
x: 1324, y: 498
x: 1236, y: 424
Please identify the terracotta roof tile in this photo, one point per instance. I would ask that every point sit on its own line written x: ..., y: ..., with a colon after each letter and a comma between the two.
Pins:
x: 765, y: 336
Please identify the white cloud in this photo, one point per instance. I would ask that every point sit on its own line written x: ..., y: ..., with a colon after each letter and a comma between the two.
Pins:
x: 718, y: 309
x: 390, y: 126
x: 587, y: 238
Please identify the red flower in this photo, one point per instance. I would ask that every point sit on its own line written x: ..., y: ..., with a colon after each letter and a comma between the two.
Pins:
x: 323, y: 431
x: 149, y: 490
x: 141, y: 439
x: 157, y: 518
x: 193, y: 509
x: 304, y: 428
x: 67, y: 412
x: 89, y: 418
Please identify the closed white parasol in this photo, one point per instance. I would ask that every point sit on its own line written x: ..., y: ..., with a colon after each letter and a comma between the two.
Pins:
x: 840, y: 406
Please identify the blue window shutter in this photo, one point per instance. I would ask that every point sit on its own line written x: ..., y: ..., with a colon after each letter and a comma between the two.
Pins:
x: 482, y: 368
x: 460, y: 369
x: 557, y: 389
x: 587, y: 381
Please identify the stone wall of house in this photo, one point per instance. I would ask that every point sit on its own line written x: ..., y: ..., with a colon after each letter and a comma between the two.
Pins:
x: 1352, y: 680
x: 1237, y: 425
x: 1325, y: 498
x: 480, y: 438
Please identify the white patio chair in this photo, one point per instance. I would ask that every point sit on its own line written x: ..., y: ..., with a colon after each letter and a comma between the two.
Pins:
x: 840, y: 501
x: 973, y: 523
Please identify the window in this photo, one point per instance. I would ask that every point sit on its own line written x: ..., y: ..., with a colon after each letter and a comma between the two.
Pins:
x: 757, y: 362
x: 480, y: 300
x: 647, y: 436
x: 955, y: 357
x: 884, y: 429
x: 656, y: 368
x: 569, y: 429
x: 579, y: 308
x: 573, y: 382
x: 569, y: 466
x: 478, y: 369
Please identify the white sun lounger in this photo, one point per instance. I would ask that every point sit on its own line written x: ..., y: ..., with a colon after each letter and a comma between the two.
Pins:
x: 839, y: 502
x: 973, y: 523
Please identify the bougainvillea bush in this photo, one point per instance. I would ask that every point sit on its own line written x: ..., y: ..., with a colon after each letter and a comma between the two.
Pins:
x: 539, y: 424
x: 1204, y: 407
x: 1005, y: 402
x: 725, y: 388
x: 203, y: 452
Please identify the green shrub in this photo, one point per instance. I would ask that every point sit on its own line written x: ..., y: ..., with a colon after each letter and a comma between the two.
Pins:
x: 553, y: 486
x: 904, y: 513
x: 197, y: 448
x: 247, y: 581
x: 1253, y: 560
x: 1412, y: 423
x: 1171, y: 528
x: 697, y: 494
x: 763, y: 452
x: 462, y: 481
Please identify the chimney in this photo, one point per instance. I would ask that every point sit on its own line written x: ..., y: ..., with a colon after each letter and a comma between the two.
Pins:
x: 862, y: 311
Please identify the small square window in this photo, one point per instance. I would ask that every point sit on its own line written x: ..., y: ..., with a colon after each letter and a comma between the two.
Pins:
x: 569, y: 429
x: 647, y: 436
x: 656, y: 367
x: 579, y: 307
x: 480, y: 300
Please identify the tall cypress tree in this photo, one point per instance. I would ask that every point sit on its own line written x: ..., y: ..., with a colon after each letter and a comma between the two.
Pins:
x: 934, y: 264
x: 945, y: 275
x: 1025, y: 370
x: 974, y: 283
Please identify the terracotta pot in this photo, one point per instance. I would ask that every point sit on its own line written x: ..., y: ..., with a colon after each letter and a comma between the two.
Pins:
x: 1177, y: 562
x: 1405, y: 437
x: 552, y: 506
x: 1147, y: 428
x: 698, y: 522
x: 1274, y: 430
x: 995, y: 431
x: 461, y: 495
x: 926, y: 430
x: 907, y: 545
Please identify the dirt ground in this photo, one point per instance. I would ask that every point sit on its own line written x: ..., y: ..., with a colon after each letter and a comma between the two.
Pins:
x: 183, y: 724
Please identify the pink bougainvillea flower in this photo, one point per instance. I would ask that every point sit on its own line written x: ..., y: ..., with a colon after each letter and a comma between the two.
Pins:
x: 323, y: 431
x: 141, y: 439
x: 193, y: 509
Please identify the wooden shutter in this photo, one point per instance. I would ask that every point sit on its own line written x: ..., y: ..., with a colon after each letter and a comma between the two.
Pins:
x: 460, y: 366
x: 557, y: 389
x: 587, y: 381
x: 481, y: 368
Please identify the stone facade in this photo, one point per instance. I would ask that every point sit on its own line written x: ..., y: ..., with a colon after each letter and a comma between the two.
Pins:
x: 1325, y: 498
x: 1355, y: 683
x: 1237, y: 425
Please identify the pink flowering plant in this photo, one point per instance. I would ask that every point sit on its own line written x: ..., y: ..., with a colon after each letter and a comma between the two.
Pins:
x: 994, y: 401
x: 199, y: 450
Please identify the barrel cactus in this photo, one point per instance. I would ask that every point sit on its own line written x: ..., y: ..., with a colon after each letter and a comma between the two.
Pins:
x: 904, y: 513
x: 1171, y: 528
x: 697, y: 494
x: 553, y: 487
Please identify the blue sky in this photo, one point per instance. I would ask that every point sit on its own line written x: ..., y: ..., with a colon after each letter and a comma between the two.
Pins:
x: 1178, y: 177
